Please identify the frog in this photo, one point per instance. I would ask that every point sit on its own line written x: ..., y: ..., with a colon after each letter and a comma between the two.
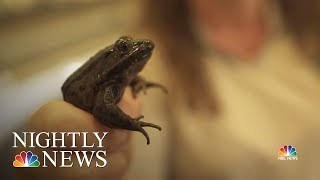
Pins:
x: 99, y: 84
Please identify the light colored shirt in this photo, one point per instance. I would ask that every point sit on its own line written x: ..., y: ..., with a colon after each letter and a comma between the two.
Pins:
x: 266, y: 104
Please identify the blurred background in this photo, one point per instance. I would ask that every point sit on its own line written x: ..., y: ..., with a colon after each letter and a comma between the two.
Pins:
x: 265, y: 72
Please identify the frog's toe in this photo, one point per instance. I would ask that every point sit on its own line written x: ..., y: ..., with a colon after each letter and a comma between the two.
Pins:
x: 145, y: 134
x: 145, y: 124
x: 137, y: 126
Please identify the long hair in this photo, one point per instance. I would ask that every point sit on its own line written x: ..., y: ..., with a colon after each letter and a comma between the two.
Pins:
x: 170, y: 20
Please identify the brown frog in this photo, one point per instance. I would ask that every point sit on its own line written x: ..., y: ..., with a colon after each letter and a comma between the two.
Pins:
x: 98, y: 85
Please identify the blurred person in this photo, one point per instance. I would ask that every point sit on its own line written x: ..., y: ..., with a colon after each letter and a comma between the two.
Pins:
x: 243, y: 83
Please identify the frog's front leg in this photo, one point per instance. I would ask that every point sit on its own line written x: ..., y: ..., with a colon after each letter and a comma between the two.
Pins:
x: 140, y: 84
x: 106, y: 111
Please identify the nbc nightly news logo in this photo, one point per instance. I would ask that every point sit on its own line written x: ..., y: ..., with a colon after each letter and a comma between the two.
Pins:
x: 32, y: 140
x: 288, y: 152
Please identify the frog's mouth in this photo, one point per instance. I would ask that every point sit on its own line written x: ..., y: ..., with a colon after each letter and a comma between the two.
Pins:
x: 135, y: 61
x: 137, y: 58
x: 141, y: 53
x: 146, y: 56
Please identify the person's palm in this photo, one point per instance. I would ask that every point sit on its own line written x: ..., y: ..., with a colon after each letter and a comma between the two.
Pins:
x: 60, y: 116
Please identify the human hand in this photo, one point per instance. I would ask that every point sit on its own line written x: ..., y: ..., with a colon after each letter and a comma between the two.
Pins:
x: 60, y: 116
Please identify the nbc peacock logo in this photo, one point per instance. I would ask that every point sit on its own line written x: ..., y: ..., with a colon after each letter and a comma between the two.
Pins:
x: 288, y: 152
x: 26, y: 160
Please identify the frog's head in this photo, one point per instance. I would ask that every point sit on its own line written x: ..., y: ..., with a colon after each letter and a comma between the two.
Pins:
x: 130, y: 56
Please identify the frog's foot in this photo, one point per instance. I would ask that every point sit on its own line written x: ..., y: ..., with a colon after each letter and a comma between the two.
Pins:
x: 139, y: 84
x: 136, y: 125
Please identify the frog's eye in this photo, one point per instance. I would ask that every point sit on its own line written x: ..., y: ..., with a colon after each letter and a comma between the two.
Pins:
x: 123, y: 46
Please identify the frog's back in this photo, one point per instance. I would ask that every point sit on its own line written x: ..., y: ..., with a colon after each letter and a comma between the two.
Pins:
x: 79, y: 88
x: 84, y: 69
